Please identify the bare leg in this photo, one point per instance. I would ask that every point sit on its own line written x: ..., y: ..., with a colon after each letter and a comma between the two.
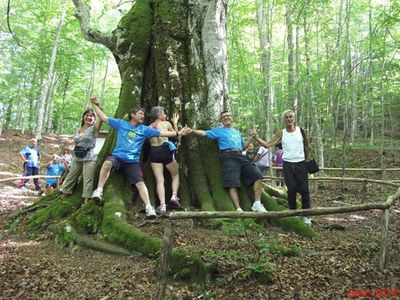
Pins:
x: 173, y: 170
x: 257, y: 187
x: 234, y: 196
x: 49, y: 190
x: 158, y: 170
x: 143, y: 192
x: 104, y: 173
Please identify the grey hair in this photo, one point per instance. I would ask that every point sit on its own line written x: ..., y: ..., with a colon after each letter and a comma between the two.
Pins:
x: 286, y: 112
x: 156, y: 111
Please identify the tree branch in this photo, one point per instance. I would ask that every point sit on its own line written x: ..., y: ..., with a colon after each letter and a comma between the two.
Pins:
x: 95, y: 36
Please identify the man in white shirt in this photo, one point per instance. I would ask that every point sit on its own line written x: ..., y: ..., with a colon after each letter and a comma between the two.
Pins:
x: 294, y: 144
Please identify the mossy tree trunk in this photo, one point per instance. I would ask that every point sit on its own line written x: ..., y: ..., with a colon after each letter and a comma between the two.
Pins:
x: 169, y: 53
x: 173, y: 54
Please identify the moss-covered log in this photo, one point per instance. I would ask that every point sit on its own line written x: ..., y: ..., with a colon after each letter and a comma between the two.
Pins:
x: 295, y: 224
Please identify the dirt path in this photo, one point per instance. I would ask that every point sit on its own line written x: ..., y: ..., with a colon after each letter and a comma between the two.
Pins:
x: 340, y: 264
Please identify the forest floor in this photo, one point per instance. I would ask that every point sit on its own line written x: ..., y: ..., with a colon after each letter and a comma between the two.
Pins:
x: 342, y: 263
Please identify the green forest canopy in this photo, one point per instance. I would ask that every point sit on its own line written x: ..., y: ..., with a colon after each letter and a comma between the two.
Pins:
x: 338, y: 68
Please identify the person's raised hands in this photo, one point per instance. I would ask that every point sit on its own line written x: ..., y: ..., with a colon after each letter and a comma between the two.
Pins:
x: 94, y: 101
x: 185, y: 130
x: 175, y: 118
x: 253, y: 132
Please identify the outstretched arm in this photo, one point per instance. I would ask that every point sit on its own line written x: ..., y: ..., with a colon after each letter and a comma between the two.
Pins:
x: 275, y: 139
x: 102, y: 116
x: 167, y: 133
x: 198, y: 132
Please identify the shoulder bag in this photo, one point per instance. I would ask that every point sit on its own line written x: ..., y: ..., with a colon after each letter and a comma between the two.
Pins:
x: 311, y: 164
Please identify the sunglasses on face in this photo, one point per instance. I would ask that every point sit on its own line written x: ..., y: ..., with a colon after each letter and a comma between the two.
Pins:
x: 226, y: 116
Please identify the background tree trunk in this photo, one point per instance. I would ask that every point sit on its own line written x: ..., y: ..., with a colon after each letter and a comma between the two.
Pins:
x: 292, y: 100
x: 46, y: 83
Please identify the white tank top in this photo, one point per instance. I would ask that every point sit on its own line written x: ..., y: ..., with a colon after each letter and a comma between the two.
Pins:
x: 292, y: 145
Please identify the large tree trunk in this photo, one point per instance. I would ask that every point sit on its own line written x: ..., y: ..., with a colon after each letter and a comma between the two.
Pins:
x: 169, y: 53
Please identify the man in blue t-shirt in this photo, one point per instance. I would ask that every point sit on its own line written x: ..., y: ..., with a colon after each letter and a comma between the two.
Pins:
x: 131, y: 135
x: 235, y: 166
x: 31, y: 156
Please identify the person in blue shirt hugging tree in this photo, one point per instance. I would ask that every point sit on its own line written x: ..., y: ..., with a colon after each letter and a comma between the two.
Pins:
x: 235, y: 166
x: 131, y: 135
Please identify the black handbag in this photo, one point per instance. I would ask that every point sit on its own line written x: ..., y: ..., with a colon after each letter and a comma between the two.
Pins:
x: 312, y: 166
x: 81, y: 151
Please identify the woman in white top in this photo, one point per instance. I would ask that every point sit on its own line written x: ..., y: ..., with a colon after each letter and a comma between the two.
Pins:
x: 294, y: 156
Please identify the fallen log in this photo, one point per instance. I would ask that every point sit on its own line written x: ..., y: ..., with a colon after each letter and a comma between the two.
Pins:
x: 27, y: 177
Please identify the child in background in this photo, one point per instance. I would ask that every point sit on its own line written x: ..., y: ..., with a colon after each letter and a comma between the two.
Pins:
x: 53, y: 168
x: 66, y: 159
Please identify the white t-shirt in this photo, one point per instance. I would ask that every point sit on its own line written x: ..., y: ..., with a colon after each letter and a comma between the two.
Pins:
x: 263, y: 153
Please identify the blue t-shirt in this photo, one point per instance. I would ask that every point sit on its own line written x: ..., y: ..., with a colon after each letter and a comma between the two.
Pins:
x: 228, y: 138
x: 54, y: 170
x: 130, y: 139
x: 32, y: 154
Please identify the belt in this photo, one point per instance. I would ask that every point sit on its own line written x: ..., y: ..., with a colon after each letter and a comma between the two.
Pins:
x: 231, y: 150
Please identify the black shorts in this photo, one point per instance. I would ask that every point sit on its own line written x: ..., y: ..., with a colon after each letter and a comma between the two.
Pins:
x: 236, y: 167
x: 161, y: 154
x: 132, y: 170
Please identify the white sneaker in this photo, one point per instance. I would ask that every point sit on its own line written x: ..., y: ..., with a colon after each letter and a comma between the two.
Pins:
x: 307, y: 220
x: 97, y: 195
x: 258, y: 207
x: 150, y: 212
x: 239, y: 210
x: 162, y: 208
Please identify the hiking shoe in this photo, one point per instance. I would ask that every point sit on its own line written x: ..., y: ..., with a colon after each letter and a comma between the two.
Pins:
x: 307, y: 221
x: 22, y: 187
x: 175, y: 201
x: 162, y: 208
x: 150, y: 212
x: 97, y: 195
x: 258, y: 207
x: 239, y: 210
x: 41, y: 192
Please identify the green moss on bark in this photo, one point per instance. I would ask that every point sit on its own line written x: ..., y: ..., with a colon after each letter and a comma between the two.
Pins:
x: 295, y: 224
x: 212, y: 166
x: 115, y: 228
x: 88, y: 218
x: 198, y: 179
x: 65, y: 236
x: 133, y: 40
x: 56, y: 210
